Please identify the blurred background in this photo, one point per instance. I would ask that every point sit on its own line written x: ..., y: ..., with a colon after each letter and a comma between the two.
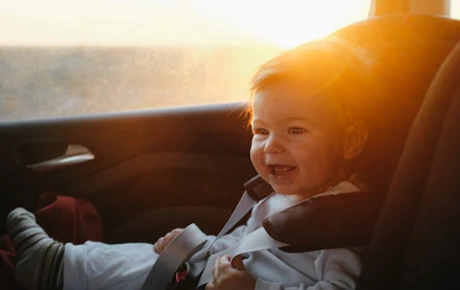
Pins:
x: 60, y: 57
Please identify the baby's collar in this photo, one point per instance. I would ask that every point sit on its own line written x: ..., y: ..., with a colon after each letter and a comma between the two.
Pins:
x: 352, y: 184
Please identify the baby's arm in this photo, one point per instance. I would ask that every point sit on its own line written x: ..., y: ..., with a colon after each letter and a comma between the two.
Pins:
x: 221, y: 244
x: 162, y: 242
x: 336, y: 269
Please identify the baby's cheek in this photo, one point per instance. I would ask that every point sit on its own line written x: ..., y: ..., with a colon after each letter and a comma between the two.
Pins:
x: 258, y: 166
x: 256, y: 153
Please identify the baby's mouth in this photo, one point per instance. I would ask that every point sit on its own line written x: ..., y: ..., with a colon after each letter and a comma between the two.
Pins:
x: 281, y: 170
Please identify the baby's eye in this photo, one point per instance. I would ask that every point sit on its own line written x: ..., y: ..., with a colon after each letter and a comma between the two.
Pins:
x: 259, y: 131
x: 296, y: 130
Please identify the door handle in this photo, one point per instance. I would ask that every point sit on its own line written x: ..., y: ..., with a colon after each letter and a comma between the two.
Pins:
x: 74, y: 154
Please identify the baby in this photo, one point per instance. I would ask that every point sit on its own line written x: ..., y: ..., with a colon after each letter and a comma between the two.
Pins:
x: 307, y: 113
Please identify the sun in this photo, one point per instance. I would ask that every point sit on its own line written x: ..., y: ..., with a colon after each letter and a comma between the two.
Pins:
x: 291, y: 22
x: 285, y: 23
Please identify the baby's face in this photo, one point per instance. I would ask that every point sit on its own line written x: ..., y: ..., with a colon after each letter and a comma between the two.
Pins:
x: 298, y: 141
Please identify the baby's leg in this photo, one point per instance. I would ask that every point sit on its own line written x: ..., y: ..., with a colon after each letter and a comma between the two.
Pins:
x: 39, y: 258
x: 46, y: 264
x: 102, y: 266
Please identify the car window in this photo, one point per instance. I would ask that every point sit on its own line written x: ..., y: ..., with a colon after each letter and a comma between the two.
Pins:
x: 455, y: 9
x: 60, y: 57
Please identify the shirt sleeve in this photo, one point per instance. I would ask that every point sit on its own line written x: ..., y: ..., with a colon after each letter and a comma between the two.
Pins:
x: 221, y: 244
x: 228, y: 240
x: 336, y: 269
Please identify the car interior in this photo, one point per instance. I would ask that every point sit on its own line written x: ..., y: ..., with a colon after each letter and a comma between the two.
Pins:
x: 153, y: 170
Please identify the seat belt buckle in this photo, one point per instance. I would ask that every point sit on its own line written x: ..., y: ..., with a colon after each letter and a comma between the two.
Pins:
x: 188, y: 275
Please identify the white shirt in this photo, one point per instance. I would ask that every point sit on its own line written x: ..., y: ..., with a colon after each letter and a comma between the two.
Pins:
x: 275, y: 269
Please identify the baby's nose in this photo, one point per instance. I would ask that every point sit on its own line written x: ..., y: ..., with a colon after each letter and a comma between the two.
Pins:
x: 273, y: 145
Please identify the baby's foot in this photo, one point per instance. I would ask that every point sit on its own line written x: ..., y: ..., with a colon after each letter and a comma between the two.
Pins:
x: 39, y: 258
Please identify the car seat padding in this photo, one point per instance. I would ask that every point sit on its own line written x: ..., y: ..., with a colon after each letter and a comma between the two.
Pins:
x: 382, y: 267
x: 342, y: 220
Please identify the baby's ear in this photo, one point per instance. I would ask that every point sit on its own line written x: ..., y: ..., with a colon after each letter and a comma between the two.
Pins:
x: 355, y: 138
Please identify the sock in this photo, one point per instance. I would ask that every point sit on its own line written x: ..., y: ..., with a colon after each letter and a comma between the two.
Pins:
x: 39, y: 258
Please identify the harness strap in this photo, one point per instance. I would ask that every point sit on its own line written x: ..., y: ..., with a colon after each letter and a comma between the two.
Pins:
x: 245, y: 204
x: 183, y: 246
x: 191, y: 239
x: 256, y: 189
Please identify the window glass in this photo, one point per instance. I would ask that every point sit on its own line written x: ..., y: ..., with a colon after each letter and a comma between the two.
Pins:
x: 455, y: 9
x: 60, y: 57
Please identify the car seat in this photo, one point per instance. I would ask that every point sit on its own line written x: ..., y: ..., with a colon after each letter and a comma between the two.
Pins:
x: 416, y: 241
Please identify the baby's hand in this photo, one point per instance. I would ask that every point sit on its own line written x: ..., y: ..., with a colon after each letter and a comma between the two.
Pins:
x: 161, y: 244
x: 229, y: 277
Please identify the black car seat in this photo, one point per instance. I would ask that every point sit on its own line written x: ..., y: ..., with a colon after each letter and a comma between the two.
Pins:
x: 416, y: 242
x: 408, y: 49
x: 432, y: 257
x: 431, y: 260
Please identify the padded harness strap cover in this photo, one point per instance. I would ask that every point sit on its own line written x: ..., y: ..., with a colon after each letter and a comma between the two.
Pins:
x: 343, y: 220
x: 257, y: 188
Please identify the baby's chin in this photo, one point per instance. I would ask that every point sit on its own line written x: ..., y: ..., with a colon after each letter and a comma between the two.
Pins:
x: 292, y: 194
x: 288, y: 192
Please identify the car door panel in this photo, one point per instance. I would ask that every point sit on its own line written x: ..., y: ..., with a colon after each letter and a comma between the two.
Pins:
x: 141, y: 160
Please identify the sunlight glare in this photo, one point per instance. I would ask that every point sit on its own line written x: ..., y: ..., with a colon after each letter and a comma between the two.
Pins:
x: 285, y: 23
x: 173, y: 22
